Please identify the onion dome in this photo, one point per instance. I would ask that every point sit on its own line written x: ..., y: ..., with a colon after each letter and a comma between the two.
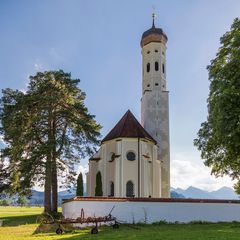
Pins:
x: 153, y: 35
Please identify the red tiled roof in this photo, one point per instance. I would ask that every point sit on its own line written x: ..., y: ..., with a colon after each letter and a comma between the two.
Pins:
x: 128, y: 127
x: 144, y: 199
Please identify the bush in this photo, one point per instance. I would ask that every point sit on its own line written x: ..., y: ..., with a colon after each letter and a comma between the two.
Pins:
x: 5, y: 202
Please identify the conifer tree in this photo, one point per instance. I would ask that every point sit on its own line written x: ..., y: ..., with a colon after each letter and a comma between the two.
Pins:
x: 47, y: 130
x: 98, y: 188
x: 79, y: 191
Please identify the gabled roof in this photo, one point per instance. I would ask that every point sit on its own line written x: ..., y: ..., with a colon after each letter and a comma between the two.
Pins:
x: 128, y: 127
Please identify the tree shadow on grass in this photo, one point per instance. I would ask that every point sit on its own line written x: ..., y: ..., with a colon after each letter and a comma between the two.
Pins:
x: 105, y: 233
x: 71, y: 233
x: 11, y: 221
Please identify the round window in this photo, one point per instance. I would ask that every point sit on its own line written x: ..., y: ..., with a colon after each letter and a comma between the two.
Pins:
x: 131, y: 156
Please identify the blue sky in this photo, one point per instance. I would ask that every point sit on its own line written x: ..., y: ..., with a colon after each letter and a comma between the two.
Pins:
x: 99, y: 42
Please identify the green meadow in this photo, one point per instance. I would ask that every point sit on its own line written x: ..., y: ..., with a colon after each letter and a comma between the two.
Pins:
x: 20, y: 224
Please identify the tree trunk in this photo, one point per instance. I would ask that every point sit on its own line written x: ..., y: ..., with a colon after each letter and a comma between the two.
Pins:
x: 54, y: 186
x: 54, y: 169
x: 47, y: 187
x: 49, y: 180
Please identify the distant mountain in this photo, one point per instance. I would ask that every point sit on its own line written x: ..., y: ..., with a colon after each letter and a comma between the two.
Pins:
x: 176, y: 195
x: 225, y: 193
x: 193, y: 192
x: 37, y: 197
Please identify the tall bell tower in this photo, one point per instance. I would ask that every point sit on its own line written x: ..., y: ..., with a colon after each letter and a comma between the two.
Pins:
x: 154, y: 102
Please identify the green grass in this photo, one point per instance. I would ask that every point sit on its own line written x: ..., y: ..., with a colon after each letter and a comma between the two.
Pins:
x: 20, y: 223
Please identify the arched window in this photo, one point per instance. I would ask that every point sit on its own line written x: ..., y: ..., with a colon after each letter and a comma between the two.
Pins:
x: 156, y: 66
x: 111, y: 189
x: 163, y: 68
x: 148, y: 67
x: 129, y: 189
x: 98, y: 188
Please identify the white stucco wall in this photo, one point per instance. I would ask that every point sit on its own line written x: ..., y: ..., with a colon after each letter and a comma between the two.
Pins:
x: 155, y: 211
x: 121, y: 170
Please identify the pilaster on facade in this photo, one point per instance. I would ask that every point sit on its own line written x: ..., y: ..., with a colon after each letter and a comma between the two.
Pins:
x: 121, y: 168
x: 104, y: 170
x: 118, y: 165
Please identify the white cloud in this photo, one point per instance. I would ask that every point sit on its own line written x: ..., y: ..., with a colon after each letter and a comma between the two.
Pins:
x: 188, y: 170
x: 83, y: 169
x: 23, y: 90
x: 38, y: 66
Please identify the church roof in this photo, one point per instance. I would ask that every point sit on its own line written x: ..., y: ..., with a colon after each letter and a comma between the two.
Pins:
x: 153, y: 35
x: 154, y: 30
x: 128, y: 127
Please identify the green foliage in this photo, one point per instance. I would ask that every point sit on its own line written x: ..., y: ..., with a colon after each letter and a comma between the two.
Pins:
x: 46, y: 130
x: 22, y: 201
x: 219, y: 137
x: 79, y: 191
x: 3, y: 178
x: 200, y: 222
x: 161, y: 222
x: 5, y: 202
x: 98, y: 188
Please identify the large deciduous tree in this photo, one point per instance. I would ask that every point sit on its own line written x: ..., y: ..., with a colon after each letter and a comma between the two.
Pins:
x: 219, y: 137
x: 46, y: 131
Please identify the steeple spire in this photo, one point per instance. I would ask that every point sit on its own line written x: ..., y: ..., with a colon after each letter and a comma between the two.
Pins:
x: 153, y: 17
x: 159, y: 35
x: 153, y: 21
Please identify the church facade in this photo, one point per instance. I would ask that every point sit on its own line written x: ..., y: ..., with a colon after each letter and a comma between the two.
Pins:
x: 134, y: 159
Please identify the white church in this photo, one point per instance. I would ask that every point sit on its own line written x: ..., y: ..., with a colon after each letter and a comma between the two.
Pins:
x: 134, y: 158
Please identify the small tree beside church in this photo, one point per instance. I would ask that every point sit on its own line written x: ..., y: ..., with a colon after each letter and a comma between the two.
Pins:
x: 79, y: 191
x: 98, y: 188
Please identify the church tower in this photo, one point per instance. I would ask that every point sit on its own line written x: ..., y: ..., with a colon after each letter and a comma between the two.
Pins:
x: 154, y: 102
